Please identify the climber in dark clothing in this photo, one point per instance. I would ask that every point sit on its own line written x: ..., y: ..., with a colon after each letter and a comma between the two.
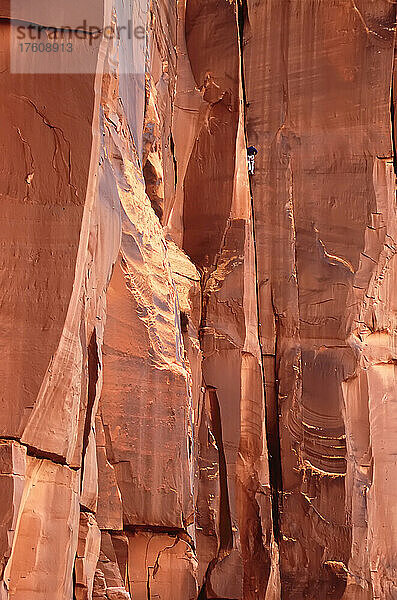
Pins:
x: 251, y: 153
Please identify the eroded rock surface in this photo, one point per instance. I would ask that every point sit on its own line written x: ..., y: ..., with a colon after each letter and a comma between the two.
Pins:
x: 198, y: 365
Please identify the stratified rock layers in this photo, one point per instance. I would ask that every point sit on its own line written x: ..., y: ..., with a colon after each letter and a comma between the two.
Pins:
x: 199, y: 366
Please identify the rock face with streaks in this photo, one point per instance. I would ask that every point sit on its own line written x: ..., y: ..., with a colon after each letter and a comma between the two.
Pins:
x: 318, y: 86
x: 198, y: 364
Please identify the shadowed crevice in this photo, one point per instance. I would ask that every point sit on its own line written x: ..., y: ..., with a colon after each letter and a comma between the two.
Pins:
x: 93, y: 374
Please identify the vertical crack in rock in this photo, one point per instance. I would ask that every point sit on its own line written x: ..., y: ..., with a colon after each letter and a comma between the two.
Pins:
x: 271, y: 412
x: 74, y: 582
x: 93, y: 374
x: 243, y: 22
x: 225, y: 522
x: 273, y: 435
x: 172, y: 148
x: 152, y: 570
x: 393, y: 116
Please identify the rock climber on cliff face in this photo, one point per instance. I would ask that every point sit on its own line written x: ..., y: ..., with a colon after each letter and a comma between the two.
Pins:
x: 251, y: 153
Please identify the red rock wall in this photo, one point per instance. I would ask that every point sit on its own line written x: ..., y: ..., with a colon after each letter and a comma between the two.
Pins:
x: 198, y: 365
x: 318, y: 81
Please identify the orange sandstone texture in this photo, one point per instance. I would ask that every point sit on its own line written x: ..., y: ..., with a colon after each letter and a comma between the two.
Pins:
x: 198, y: 368
x: 318, y: 82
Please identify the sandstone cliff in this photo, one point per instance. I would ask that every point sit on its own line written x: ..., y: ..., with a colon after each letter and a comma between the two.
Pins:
x: 198, y: 365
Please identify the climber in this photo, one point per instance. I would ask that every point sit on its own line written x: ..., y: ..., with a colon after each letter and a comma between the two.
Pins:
x: 251, y: 153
